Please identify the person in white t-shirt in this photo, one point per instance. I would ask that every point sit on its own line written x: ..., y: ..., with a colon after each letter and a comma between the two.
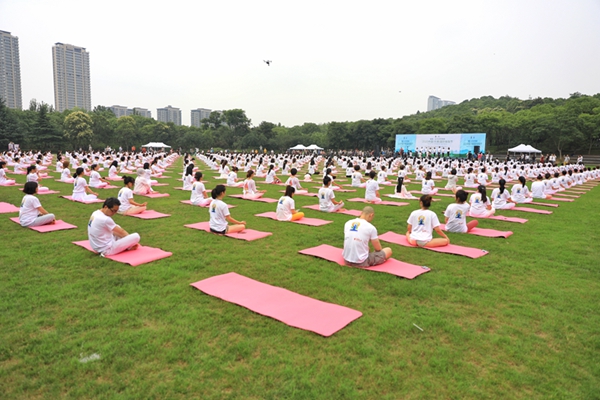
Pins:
x: 480, y: 204
x: 537, y: 189
x: 3, y: 180
x: 401, y: 192
x: 295, y: 182
x: 198, y: 196
x: 80, y: 187
x: 357, y: 178
x: 127, y: 205
x: 358, y: 234
x: 327, y: 201
x: 96, y: 181
x: 232, y: 178
x: 501, y: 197
x: 453, y: 181
x: 456, y: 215
x: 372, y: 189
x: 188, y: 177
x: 286, y: 207
x: 249, y: 188
x: 142, y: 184
x: 520, y: 193
x: 271, y: 177
x: 219, y: 214
x: 31, y: 212
x: 422, y: 223
x: 105, y: 236
x: 428, y: 185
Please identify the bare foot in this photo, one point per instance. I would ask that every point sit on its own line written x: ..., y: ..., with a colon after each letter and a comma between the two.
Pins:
x: 134, y: 247
x: 53, y: 222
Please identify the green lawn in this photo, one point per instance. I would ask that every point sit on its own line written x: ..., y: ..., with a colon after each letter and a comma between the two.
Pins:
x: 521, y: 322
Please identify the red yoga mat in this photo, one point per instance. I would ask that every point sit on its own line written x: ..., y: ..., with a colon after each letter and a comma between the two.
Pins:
x: 492, y: 233
x: 507, y: 219
x: 189, y: 202
x: 155, y: 195
x: 150, y: 214
x: 531, y: 210
x: 383, y: 202
x: 262, y: 199
x: 6, y: 208
x: 470, y: 252
x: 354, y: 213
x: 391, y: 266
x: 291, y: 308
x: 84, y: 202
x: 303, y: 221
x: 141, y: 255
x: 246, y: 234
x: 58, y: 225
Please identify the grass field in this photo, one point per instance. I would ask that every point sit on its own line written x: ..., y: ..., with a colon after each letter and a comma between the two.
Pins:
x: 521, y: 322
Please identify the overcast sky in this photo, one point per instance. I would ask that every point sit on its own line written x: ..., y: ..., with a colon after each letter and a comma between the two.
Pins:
x: 332, y: 60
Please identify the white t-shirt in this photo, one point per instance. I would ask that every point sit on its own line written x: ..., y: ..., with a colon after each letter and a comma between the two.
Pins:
x: 218, y: 212
x: 499, y: 200
x: 381, y: 176
x: 188, y: 181
x: 294, y: 182
x: 519, y: 193
x: 249, y: 186
x: 100, y: 229
x: 29, y: 209
x: 79, y: 185
x: 197, y: 192
x: 452, y: 181
x: 358, y: 233
x: 94, y: 179
x: 423, y: 223
x: 231, y: 178
x: 478, y: 207
x: 125, y: 194
x: 284, y: 208
x: 456, y: 214
x: 427, y: 186
x: 270, y: 176
x: 65, y: 174
x: 356, y: 179
x: 371, y: 190
x: 537, y: 190
x: 325, y: 196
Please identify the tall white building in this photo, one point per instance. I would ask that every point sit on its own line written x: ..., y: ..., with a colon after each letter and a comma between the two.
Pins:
x: 198, y: 115
x: 119, y: 111
x: 144, y: 112
x: 433, y: 103
x: 10, y: 70
x: 71, y: 77
x: 169, y: 114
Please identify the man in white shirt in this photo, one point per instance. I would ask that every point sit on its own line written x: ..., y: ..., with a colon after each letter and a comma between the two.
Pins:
x: 358, y: 233
x: 105, y: 236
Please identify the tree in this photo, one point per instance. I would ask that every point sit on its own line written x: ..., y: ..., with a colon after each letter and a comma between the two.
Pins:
x: 589, y: 126
x: 433, y: 125
x: 46, y: 134
x: 103, y: 125
x: 78, y: 128
x: 266, y: 129
x: 127, y: 130
x: 9, y: 126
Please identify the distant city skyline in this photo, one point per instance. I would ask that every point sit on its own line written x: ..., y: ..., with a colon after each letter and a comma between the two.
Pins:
x: 456, y: 50
x: 169, y: 114
x: 433, y: 103
x: 71, y: 66
x: 10, y: 70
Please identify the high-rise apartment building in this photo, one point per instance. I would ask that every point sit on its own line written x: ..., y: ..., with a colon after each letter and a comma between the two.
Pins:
x: 119, y: 111
x: 433, y: 103
x: 71, y: 77
x: 169, y: 114
x: 144, y: 112
x: 10, y: 70
x: 198, y: 115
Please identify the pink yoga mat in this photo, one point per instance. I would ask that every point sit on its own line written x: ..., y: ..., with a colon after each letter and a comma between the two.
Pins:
x: 303, y: 221
x: 391, y: 266
x: 354, y: 213
x: 180, y: 188
x: 470, y: 252
x: 141, y: 255
x: 155, y: 195
x: 531, y: 210
x: 106, y: 187
x: 246, y: 234
x: 6, y: 208
x: 118, y: 178
x: 44, y: 192
x: 59, y: 225
x: 507, y: 219
x: 433, y: 195
x: 10, y: 184
x: 492, y: 233
x: 160, y: 184
x: 383, y: 202
x: 555, y: 198
x: 291, y: 308
x: 561, y: 194
x: 537, y: 203
x: 83, y: 202
x: 337, y: 190
x: 161, y: 177
x: 150, y: 214
x: 303, y: 194
x: 415, y: 199
x: 189, y: 202
x: 262, y: 199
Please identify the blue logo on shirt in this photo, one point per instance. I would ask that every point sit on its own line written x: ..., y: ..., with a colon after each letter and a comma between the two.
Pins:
x: 354, y: 227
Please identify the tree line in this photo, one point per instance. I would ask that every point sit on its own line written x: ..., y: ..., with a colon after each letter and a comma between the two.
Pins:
x: 553, y: 125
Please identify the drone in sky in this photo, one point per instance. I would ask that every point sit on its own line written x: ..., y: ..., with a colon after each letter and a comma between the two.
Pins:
x: 268, y: 62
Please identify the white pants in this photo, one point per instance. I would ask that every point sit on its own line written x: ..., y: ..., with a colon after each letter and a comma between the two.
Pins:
x: 120, y: 245
x: 336, y: 207
x: 41, y: 220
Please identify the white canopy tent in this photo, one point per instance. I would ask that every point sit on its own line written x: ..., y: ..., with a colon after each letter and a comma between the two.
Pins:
x: 298, y: 147
x: 314, y: 147
x: 156, y: 145
x: 524, y: 148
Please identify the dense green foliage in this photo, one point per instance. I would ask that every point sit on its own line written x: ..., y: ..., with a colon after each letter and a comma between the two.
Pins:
x: 552, y: 125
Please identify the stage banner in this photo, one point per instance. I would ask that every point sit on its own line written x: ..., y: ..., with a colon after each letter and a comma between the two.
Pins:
x: 456, y: 143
